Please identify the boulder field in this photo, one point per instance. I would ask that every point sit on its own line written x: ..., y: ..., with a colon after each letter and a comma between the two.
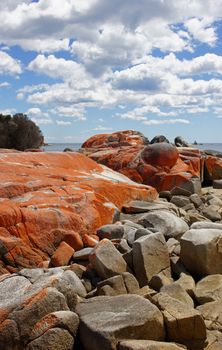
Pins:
x: 153, y: 281
x: 157, y: 163
x: 90, y: 260
x: 52, y: 203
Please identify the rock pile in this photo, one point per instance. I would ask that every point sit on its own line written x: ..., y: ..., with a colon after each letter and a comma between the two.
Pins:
x: 153, y: 281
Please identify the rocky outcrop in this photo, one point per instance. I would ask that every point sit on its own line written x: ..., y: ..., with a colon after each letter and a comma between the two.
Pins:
x: 159, y: 164
x: 52, y: 203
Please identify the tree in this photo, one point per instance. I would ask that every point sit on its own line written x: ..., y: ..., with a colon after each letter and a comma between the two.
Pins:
x: 19, y: 132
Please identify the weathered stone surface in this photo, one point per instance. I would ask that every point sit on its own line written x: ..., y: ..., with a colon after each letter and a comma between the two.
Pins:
x: 145, y: 206
x: 53, y: 339
x: 148, y: 345
x: 187, y: 283
x: 34, y: 295
x: 112, y: 286
x: 209, y: 289
x: 206, y: 225
x: 106, y: 260
x: 165, y: 222
x: 212, y: 314
x: 47, y: 198
x: 184, y: 324
x: 180, y: 201
x: 111, y: 231
x: 150, y: 256
x: 104, y: 321
x: 196, y: 200
x: 211, y: 214
x: 201, y: 251
x: 59, y: 319
x: 177, y: 292
x: 83, y: 254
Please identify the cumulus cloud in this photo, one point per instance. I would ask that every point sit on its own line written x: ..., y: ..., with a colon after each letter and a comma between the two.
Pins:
x: 42, y: 121
x: 36, y: 112
x: 4, y: 84
x: 200, y: 29
x: 117, y: 54
x: 9, y: 65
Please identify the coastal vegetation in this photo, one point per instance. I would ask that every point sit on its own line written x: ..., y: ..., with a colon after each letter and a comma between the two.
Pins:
x: 19, y: 132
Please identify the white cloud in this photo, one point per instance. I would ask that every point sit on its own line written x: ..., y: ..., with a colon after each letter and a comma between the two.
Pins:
x: 36, y: 112
x: 166, y: 121
x: 9, y: 65
x: 8, y: 111
x: 63, y: 123
x: 102, y: 128
x: 43, y: 45
x: 72, y: 111
x: 201, y: 30
x: 42, y: 121
x: 58, y: 68
x: 4, y: 84
x: 111, y: 57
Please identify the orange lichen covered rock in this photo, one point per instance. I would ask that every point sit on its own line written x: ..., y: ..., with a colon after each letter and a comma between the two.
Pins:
x: 62, y: 255
x: 213, y: 166
x: 117, y: 139
x: 161, y: 165
x: 47, y: 198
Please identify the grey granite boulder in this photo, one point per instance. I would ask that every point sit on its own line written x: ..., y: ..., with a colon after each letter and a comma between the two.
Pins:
x: 201, y: 251
x: 150, y: 256
x: 184, y: 324
x: 209, y: 289
x: 165, y: 222
x: 107, y: 260
x: 104, y: 321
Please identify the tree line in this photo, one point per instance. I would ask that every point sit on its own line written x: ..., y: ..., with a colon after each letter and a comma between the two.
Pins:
x: 19, y: 132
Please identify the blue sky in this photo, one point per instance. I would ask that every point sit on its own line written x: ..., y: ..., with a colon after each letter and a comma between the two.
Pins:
x: 82, y: 67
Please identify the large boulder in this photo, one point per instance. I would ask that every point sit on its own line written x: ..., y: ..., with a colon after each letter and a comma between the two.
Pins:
x: 201, y: 251
x: 209, y: 289
x: 107, y: 260
x: 184, y: 324
x: 212, y: 314
x: 49, y: 198
x: 104, y: 321
x: 165, y: 222
x: 150, y: 257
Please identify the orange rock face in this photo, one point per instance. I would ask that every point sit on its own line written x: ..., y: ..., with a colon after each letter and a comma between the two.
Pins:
x: 47, y: 198
x: 161, y: 165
